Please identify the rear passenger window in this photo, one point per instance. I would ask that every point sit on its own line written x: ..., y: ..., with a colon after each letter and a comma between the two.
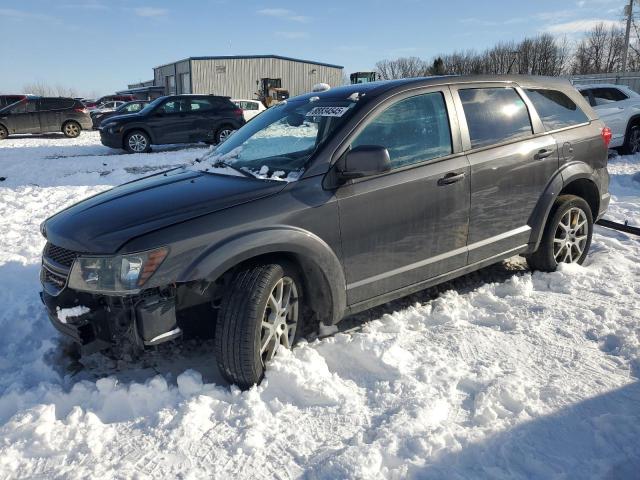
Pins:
x: 200, y: 105
x: 555, y: 109
x: 494, y: 115
x: 602, y: 96
x: 413, y: 130
x: 55, y: 103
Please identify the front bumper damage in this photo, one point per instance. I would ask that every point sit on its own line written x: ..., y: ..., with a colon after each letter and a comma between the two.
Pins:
x: 131, y: 322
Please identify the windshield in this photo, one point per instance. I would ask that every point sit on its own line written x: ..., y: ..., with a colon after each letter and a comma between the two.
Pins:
x: 278, y: 143
x: 150, y: 106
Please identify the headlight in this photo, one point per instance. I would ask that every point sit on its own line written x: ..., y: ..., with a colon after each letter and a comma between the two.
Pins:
x: 117, y: 274
x: 111, y: 127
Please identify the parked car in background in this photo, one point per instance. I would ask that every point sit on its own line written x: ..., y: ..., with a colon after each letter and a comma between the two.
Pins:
x: 108, y: 98
x: 107, y: 106
x: 327, y: 205
x: 6, y: 100
x: 173, y: 119
x: 44, y: 114
x: 250, y: 108
x: 97, y: 116
x: 619, y: 107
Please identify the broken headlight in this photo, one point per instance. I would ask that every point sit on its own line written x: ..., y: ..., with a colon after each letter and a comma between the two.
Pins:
x: 116, y: 274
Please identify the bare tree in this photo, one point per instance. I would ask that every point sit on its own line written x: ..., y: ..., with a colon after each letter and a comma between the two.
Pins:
x: 41, y: 88
x: 403, y: 67
x: 600, y: 51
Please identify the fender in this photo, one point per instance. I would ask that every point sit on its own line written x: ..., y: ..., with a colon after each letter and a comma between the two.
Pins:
x: 315, y: 255
x: 563, y: 177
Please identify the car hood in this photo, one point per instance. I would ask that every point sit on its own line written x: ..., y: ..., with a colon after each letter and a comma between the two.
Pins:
x: 102, y: 224
x: 125, y: 116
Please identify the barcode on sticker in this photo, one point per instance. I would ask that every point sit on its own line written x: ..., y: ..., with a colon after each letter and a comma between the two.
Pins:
x: 327, y: 111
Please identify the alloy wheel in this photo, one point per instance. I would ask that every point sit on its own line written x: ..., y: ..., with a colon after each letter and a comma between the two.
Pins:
x: 571, y: 236
x: 634, y: 140
x: 137, y: 142
x: 72, y: 129
x: 280, y: 319
x: 224, y: 134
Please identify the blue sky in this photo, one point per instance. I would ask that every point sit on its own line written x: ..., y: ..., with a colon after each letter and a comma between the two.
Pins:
x: 98, y: 46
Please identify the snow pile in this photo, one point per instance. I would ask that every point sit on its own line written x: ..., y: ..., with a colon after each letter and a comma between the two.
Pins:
x: 64, y: 314
x: 500, y: 374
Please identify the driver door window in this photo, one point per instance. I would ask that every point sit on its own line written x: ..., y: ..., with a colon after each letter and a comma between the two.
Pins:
x: 413, y: 130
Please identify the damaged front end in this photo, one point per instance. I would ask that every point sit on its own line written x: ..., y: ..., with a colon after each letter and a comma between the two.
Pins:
x: 118, y: 313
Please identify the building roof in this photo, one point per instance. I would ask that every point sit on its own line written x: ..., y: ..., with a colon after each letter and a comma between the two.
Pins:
x: 250, y: 57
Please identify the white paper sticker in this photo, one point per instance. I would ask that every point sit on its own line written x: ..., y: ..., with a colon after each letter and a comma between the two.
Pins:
x: 327, y: 111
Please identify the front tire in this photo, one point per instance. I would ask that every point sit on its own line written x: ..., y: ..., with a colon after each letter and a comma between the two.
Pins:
x: 632, y: 141
x: 4, y: 133
x: 137, y: 142
x: 71, y: 129
x: 567, y: 235
x: 259, y: 315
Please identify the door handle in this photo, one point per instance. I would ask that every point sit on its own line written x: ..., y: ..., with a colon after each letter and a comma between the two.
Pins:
x: 544, y: 153
x: 450, y: 178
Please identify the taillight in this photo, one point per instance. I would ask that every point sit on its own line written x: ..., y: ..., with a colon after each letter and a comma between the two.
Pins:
x: 237, y: 112
x: 606, y: 136
x: 80, y: 110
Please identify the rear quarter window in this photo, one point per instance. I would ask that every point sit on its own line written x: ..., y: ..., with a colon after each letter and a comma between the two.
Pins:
x: 494, y: 115
x: 556, y: 110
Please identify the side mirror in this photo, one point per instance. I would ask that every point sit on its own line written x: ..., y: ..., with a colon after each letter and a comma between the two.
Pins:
x: 364, y: 161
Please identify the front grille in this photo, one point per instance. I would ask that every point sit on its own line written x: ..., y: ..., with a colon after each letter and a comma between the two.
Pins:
x: 60, y: 255
x: 55, y: 280
x: 56, y: 265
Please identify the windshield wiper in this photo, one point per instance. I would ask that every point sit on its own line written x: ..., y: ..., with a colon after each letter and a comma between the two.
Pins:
x: 222, y: 163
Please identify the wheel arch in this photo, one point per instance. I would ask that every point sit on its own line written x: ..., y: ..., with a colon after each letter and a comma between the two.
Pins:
x: 576, y: 179
x: 317, y: 264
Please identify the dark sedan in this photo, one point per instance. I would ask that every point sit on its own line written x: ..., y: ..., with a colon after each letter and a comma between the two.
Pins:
x: 98, y: 117
x: 173, y: 119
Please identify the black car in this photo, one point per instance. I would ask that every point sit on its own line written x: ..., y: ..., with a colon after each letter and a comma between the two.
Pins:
x: 329, y: 204
x: 98, y: 116
x: 44, y: 114
x: 173, y: 119
x: 6, y: 100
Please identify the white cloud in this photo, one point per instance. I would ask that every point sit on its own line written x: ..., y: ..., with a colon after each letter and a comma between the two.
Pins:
x: 150, y: 12
x: 283, y: 14
x: 579, y: 26
x: 292, y: 35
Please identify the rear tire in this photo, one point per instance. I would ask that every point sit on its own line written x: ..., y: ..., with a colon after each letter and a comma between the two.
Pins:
x: 259, y: 315
x: 632, y: 141
x: 223, y: 133
x: 567, y: 235
x: 4, y: 133
x: 137, y: 142
x: 71, y: 129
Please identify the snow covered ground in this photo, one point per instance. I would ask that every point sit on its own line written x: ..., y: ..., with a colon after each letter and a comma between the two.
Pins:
x: 500, y: 374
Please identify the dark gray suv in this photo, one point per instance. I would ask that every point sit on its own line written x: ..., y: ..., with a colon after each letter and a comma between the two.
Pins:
x: 327, y: 205
x: 44, y: 114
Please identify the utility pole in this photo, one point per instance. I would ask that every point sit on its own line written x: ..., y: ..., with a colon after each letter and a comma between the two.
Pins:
x: 628, y: 11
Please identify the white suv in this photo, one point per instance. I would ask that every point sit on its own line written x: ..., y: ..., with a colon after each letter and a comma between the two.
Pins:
x: 619, y: 107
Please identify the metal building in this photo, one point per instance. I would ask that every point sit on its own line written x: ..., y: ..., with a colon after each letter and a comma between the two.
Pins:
x: 242, y: 76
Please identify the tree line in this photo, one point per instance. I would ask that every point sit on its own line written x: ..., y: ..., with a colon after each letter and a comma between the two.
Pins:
x: 600, y: 50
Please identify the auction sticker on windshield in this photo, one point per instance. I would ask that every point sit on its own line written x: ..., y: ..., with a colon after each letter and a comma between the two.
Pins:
x: 327, y: 111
